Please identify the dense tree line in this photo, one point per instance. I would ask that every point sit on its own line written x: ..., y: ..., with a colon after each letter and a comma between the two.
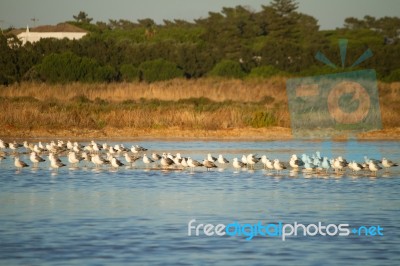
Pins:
x: 236, y: 42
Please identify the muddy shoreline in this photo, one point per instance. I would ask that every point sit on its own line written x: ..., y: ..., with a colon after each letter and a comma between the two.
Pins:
x: 240, y: 134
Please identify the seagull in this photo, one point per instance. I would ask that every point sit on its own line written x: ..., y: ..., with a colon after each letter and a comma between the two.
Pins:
x: 237, y: 164
x: 165, y: 161
x: 339, y: 165
x: 355, y: 167
x: 295, y: 163
x: 73, y: 158
x: 112, y: 150
x: 35, y: 159
x: 19, y: 164
x: 14, y: 146
x: 3, y: 145
x: 27, y: 146
x: 155, y: 156
x: 193, y: 163
x: 98, y: 161
x: 137, y: 148
x: 252, y: 160
x: 309, y: 167
x: 95, y: 147
x: 325, y: 164
x: 264, y: 160
x: 208, y: 164
x: 388, y: 163
x: 70, y: 146
x: 278, y: 166
x: 211, y: 158
x: 367, y: 160
x: 115, y: 163
x: 177, y: 159
x: 269, y: 164
x: 184, y: 162
x: 55, y: 164
x: 86, y: 157
x: 131, y: 159
x: 222, y: 160
x: 244, y: 159
x: 147, y: 160
x: 374, y: 168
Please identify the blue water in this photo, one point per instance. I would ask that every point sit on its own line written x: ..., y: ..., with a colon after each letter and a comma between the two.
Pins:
x: 139, y: 216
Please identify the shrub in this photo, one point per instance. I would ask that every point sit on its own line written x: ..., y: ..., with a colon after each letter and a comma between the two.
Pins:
x: 263, y: 72
x: 129, y: 73
x: 106, y: 73
x: 261, y: 119
x: 60, y: 67
x: 159, y: 69
x: 394, y: 76
x: 228, y: 68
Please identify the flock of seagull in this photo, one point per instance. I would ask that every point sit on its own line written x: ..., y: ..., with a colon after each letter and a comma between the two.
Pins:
x: 105, y: 154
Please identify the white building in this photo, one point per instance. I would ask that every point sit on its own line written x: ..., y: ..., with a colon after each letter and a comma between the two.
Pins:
x: 60, y: 31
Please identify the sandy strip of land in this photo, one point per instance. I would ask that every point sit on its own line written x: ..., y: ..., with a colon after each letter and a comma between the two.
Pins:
x: 260, y: 134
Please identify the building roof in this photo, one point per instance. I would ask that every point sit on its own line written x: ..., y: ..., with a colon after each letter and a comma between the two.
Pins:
x: 61, y: 27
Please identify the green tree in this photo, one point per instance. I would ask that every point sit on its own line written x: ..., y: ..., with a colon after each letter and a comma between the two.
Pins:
x: 159, y: 69
x: 82, y: 17
x: 264, y: 72
x: 8, y: 63
x: 284, y: 19
x: 229, y: 69
x: 129, y: 72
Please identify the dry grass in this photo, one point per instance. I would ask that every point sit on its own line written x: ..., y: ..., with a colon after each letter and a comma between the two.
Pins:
x: 218, y: 90
x: 200, y: 106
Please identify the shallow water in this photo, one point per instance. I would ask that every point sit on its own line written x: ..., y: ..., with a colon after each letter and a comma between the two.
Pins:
x: 86, y: 216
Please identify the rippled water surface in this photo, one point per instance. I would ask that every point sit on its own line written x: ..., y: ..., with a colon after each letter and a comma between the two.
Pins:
x: 86, y: 216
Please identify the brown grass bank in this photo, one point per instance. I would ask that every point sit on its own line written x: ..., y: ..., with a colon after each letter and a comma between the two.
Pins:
x: 207, y: 108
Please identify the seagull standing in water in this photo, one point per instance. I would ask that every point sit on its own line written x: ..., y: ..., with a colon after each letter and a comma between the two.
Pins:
x: 211, y: 158
x: 355, y: 167
x: 325, y: 164
x: 147, y: 160
x: 56, y: 164
x: 278, y: 166
x: 252, y: 160
x: 237, y: 164
x: 3, y: 145
x: 165, y: 161
x: 19, y: 164
x: 130, y: 159
x: 155, y: 156
x: 184, y: 162
x: 208, y: 164
x: 295, y: 163
x: 73, y: 159
x: 36, y: 159
x: 244, y: 159
x: 222, y: 160
x: 193, y: 163
x: 373, y: 167
x: 115, y: 163
x: 388, y: 163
